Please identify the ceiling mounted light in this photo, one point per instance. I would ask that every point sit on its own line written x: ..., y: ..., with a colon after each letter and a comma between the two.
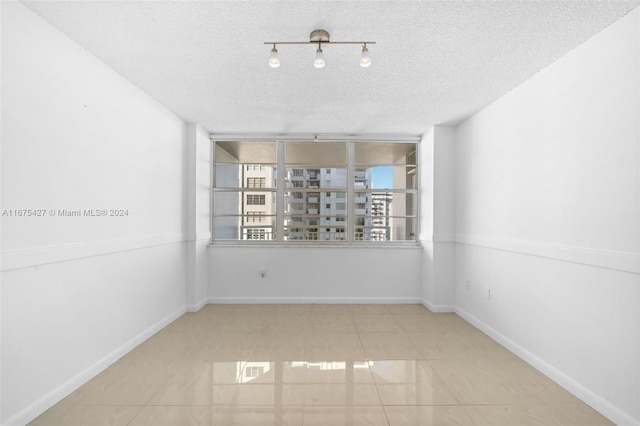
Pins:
x: 319, y: 61
x: 320, y: 37
x: 365, y: 60
x: 274, y: 60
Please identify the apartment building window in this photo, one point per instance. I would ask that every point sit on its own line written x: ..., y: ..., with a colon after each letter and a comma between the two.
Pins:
x: 256, y: 234
x: 256, y: 182
x: 252, y: 372
x: 281, y: 191
x: 255, y: 217
x: 256, y: 200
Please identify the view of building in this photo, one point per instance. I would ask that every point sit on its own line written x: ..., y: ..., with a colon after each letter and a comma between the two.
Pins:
x: 257, y: 207
x: 380, y: 212
x: 309, y: 215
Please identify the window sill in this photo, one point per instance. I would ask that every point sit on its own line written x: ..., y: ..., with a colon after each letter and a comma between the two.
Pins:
x: 394, y: 245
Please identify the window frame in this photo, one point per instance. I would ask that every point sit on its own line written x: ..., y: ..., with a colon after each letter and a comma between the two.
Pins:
x: 349, y: 218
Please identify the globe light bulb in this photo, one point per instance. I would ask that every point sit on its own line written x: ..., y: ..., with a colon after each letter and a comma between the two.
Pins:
x: 365, y: 60
x: 319, y: 61
x: 274, y: 60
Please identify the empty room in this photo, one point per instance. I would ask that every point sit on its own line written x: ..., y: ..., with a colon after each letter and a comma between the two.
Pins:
x: 320, y: 213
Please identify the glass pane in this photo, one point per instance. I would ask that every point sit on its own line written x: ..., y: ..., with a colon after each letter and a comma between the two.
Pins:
x: 384, y: 228
x: 316, y: 178
x: 385, y: 203
x: 227, y: 203
x: 245, y: 152
x: 245, y: 176
x: 226, y: 228
x: 241, y: 202
x: 232, y: 228
x: 258, y: 227
x: 385, y: 177
x: 314, y: 220
x: 313, y: 233
x: 244, y: 215
x: 329, y: 154
x: 322, y: 203
x: 385, y: 153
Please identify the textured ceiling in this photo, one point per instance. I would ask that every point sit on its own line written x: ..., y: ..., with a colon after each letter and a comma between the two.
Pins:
x: 434, y: 62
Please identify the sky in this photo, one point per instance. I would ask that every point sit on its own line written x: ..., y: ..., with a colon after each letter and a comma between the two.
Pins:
x: 382, y: 177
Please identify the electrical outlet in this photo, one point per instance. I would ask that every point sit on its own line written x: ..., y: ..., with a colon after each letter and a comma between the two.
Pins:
x: 467, y: 285
x: 488, y: 293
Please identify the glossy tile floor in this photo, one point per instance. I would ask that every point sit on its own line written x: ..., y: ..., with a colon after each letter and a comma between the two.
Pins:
x: 320, y: 365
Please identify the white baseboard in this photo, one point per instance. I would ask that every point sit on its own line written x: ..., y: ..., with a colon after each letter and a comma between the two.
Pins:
x: 47, y: 401
x: 197, y: 306
x: 314, y: 300
x: 437, y: 308
x: 597, y: 402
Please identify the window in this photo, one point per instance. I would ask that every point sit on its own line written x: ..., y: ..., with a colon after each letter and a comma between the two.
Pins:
x: 255, y: 200
x: 281, y: 191
x: 256, y: 182
x: 253, y: 217
x: 256, y: 234
x: 251, y: 371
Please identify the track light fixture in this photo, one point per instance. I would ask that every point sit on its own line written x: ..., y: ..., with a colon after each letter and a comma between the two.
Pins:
x: 319, y: 37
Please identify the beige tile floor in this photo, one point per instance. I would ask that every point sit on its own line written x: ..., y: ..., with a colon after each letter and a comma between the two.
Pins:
x: 320, y: 365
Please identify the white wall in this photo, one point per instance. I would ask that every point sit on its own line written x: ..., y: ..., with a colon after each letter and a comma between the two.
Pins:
x: 198, y: 234
x: 547, y: 202
x: 314, y: 274
x: 437, y: 217
x: 78, y: 292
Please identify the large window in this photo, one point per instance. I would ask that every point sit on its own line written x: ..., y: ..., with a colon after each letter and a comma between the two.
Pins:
x: 303, y: 191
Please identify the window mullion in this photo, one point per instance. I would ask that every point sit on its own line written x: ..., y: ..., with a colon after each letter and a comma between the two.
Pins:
x: 350, y: 229
x: 211, y: 191
x: 280, y: 177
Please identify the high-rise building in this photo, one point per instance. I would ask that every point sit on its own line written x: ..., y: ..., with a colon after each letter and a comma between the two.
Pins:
x: 257, y: 207
x: 380, y: 215
x: 309, y: 215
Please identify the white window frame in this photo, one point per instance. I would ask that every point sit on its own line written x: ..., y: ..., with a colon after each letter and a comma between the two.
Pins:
x: 280, y: 189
